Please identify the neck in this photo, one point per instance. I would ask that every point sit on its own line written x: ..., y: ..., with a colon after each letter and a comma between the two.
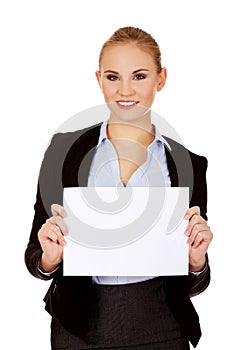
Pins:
x: 139, y: 130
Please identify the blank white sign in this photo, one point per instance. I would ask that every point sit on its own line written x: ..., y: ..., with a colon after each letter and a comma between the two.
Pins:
x: 137, y: 231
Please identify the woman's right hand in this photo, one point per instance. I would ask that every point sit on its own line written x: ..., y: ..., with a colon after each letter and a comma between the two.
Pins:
x: 51, y: 238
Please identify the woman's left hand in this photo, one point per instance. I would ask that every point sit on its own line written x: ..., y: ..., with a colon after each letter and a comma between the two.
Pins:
x: 200, y: 236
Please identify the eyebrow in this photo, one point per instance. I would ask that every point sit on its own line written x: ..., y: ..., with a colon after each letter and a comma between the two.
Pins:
x: 134, y: 72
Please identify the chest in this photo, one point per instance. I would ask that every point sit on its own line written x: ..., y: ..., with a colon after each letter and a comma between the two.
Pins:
x: 130, y: 157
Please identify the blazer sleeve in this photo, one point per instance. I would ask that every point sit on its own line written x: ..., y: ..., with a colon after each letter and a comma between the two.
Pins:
x: 65, y: 148
x: 41, y: 214
x: 198, y: 283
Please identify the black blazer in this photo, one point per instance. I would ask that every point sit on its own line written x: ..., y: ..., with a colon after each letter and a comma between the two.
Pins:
x: 66, y: 164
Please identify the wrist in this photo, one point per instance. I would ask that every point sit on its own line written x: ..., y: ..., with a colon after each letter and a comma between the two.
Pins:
x: 197, y: 266
x: 46, y: 265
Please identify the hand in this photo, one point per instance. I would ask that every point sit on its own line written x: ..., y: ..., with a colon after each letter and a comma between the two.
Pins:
x: 51, y: 238
x: 199, y: 239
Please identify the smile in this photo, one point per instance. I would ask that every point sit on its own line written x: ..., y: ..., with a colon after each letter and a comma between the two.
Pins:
x: 126, y: 104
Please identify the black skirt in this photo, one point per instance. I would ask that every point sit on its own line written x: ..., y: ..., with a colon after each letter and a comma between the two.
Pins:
x: 130, y: 316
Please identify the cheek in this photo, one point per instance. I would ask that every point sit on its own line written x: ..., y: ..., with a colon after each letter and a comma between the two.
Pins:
x: 149, y: 91
x: 109, y: 90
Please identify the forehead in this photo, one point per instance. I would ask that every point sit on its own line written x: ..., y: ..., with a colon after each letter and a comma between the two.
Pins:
x: 126, y: 56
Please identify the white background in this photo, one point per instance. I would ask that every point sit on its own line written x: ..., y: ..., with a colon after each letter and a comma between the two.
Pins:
x: 49, y: 53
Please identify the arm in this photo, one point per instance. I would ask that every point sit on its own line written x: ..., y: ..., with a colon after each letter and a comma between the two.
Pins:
x: 198, y: 232
x: 49, y: 191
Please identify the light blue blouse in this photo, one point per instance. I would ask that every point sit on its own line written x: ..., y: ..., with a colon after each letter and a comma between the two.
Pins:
x: 105, y: 172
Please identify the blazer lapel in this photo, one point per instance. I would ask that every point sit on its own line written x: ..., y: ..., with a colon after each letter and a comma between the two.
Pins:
x: 79, y: 157
x: 180, y: 166
x: 171, y: 168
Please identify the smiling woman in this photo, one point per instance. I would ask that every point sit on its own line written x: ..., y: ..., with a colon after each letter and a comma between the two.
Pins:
x: 121, y: 312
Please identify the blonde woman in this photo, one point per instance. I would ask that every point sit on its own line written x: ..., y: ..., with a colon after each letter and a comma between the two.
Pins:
x: 101, y: 312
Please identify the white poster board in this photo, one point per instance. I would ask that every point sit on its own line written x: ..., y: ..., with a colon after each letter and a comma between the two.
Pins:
x: 126, y: 231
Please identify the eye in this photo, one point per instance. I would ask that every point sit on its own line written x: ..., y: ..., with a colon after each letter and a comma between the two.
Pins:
x: 112, y: 77
x: 139, y: 77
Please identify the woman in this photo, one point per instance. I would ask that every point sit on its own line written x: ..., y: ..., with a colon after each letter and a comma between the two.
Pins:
x: 115, y: 312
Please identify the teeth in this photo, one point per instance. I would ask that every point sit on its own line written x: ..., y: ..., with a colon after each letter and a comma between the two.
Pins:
x: 126, y: 104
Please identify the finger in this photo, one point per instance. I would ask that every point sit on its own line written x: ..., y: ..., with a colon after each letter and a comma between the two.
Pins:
x: 195, y: 239
x: 52, y: 236
x: 198, y: 240
x: 48, y: 225
x: 58, y: 210
x: 200, y: 237
x: 197, y: 229
x: 56, y: 236
x: 196, y: 219
x: 200, y: 228
x: 50, y: 222
x: 192, y: 211
x: 57, y: 220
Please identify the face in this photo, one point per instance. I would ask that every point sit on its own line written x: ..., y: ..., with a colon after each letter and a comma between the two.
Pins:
x: 129, y: 80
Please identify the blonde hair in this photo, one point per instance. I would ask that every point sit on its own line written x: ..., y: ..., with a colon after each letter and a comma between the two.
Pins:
x: 138, y: 36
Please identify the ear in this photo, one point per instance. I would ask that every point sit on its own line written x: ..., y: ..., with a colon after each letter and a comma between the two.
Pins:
x: 162, y: 79
x: 98, y: 76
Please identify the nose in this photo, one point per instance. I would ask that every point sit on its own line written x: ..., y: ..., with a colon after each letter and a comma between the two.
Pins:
x: 125, y: 88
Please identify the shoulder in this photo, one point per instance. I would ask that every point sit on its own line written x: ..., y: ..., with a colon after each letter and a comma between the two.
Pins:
x: 62, y: 143
x: 75, y: 136
x: 196, y: 159
x: 65, y: 151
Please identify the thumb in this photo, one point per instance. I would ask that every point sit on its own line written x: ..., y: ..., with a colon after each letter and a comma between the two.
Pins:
x: 58, y: 210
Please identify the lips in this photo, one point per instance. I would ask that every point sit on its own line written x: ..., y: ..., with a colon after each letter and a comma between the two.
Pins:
x: 126, y: 104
